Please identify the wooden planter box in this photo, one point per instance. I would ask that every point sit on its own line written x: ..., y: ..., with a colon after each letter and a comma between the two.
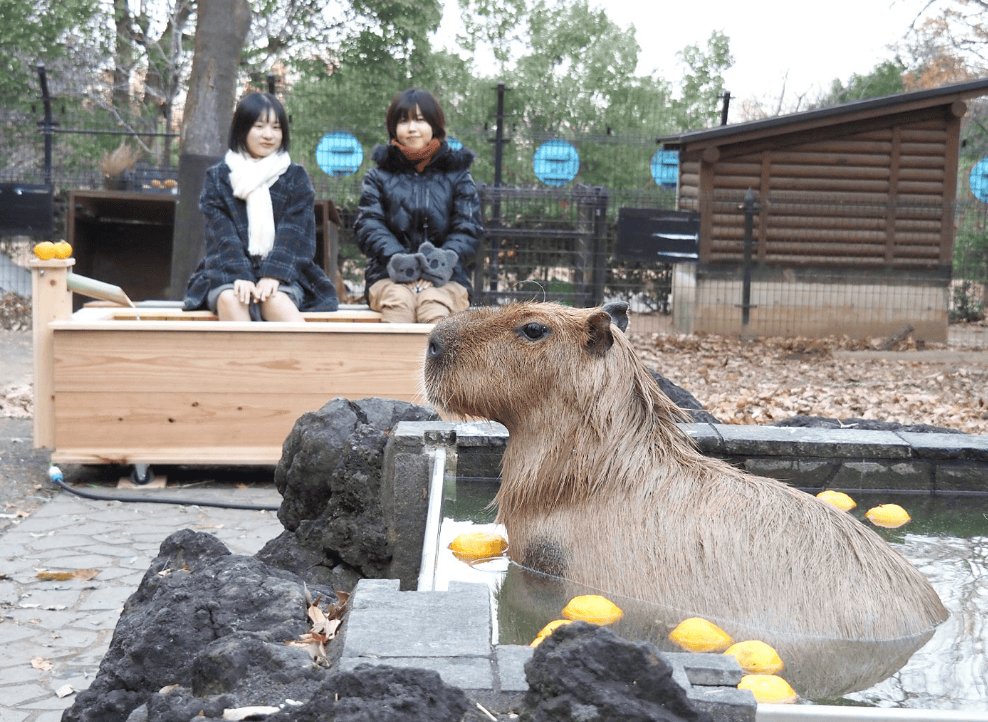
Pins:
x: 161, y: 386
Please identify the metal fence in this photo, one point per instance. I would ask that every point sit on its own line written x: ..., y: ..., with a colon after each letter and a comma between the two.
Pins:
x: 558, y: 242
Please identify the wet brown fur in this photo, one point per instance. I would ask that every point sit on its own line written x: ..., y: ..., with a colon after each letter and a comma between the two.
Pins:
x: 597, y: 468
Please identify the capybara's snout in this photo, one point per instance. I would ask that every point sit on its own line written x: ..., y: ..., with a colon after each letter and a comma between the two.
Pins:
x: 436, y: 348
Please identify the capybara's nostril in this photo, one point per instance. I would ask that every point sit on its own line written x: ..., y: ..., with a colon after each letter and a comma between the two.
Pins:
x: 435, y: 348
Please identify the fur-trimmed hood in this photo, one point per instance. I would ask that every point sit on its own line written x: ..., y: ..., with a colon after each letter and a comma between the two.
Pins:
x: 447, y: 160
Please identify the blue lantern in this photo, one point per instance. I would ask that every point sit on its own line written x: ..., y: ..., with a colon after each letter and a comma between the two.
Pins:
x: 556, y: 162
x: 339, y: 153
x: 979, y: 179
x: 665, y: 168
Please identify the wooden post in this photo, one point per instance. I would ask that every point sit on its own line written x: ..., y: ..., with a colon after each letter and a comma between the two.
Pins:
x: 51, y: 301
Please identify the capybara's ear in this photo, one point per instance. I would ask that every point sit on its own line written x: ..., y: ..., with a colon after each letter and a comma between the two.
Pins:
x: 600, y: 338
x: 619, y: 313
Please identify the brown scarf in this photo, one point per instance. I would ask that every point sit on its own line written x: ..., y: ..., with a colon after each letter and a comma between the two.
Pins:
x: 420, y: 158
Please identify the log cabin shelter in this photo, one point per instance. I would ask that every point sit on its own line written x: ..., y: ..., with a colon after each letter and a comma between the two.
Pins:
x: 852, y: 223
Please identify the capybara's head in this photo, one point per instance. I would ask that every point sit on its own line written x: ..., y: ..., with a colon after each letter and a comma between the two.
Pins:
x: 525, y: 359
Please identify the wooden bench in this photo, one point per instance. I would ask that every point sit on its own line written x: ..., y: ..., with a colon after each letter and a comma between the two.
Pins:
x: 157, y: 385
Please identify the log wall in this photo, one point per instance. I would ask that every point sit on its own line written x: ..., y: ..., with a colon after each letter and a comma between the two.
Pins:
x: 869, y: 196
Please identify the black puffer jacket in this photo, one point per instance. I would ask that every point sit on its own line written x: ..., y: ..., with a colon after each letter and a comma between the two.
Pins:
x: 401, y: 208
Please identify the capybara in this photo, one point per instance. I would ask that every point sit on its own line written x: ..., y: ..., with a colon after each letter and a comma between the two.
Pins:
x: 600, y: 486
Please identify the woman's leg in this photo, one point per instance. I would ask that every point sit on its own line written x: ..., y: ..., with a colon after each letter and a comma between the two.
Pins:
x: 280, y: 307
x: 438, y: 302
x: 229, y: 308
x: 395, y: 301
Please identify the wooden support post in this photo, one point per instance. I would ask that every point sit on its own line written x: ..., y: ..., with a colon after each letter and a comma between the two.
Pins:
x: 51, y: 301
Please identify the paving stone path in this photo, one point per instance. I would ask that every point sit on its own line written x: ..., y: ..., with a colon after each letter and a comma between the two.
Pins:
x: 53, y: 634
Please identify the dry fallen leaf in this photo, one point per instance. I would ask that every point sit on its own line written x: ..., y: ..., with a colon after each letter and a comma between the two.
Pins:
x: 324, y: 626
x: 763, y: 380
x: 64, y: 691
x: 80, y: 574
x: 41, y: 663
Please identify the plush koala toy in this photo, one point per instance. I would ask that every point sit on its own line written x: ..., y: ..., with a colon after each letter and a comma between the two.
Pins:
x: 404, y: 267
x: 437, y: 264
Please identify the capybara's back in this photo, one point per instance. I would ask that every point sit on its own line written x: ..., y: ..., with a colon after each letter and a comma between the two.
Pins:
x: 600, y: 486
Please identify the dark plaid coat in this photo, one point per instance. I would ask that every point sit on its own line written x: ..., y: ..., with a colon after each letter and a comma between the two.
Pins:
x: 401, y: 208
x: 226, y: 259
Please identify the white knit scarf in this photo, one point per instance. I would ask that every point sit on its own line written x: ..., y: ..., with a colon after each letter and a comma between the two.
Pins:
x: 251, y: 178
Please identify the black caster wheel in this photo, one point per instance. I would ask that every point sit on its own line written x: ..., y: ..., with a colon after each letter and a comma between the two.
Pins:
x: 142, y: 474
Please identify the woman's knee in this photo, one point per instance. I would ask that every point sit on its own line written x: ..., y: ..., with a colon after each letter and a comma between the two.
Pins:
x: 280, y: 307
x: 229, y: 307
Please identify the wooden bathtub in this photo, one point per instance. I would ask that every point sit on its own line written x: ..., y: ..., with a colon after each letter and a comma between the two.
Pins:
x: 150, y: 385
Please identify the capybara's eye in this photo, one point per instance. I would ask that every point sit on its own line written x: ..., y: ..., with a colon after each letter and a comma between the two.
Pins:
x: 534, y: 331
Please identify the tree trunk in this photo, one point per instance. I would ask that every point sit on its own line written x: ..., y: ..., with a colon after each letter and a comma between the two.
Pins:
x: 221, y: 30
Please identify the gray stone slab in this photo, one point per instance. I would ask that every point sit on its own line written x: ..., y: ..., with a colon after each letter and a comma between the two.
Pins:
x: 51, y: 702
x: 80, y: 561
x: 22, y: 674
x: 961, y: 447
x: 803, y: 442
x: 384, y: 622
x: 18, y: 695
x: 99, y: 620
x: 407, y: 473
x: 511, y: 659
x: 10, y: 633
x: 461, y: 433
x: 37, y: 618
x: 108, y: 597
x: 464, y: 672
x: 72, y: 639
x: 726, y: 704
x: 60, y: 541
x: 49, y: 716
x: 707, y: 669
x: 11, y: 715
x: 707, y: 439
x: 678, y: 671
x: 9, y: 593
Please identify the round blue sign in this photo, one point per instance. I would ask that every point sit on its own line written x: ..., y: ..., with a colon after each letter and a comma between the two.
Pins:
x: 979, y: 179
x: 665, y: 168
x: 453, y: 142
x: 339, y: 153
x: 556, y: 162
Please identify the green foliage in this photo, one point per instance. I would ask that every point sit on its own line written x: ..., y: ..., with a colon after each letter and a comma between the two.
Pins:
x: 46, y: 32
x: 494, y: 23
x: 703, y: 82
x: 884, y: 79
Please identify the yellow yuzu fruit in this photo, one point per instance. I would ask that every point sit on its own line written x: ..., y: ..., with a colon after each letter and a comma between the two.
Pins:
x: 768, y: 689
x: 62, y: 250
x: 837, y: 498
x: 478, y: 545
x: 548, y: 629
x: 45, y: 250
x: 698, y: 635
x: 756, y: 657
x: 889, y: 516
x: 592, y: 608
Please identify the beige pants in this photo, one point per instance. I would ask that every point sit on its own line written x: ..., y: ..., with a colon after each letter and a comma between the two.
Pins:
x: 416, y: 302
